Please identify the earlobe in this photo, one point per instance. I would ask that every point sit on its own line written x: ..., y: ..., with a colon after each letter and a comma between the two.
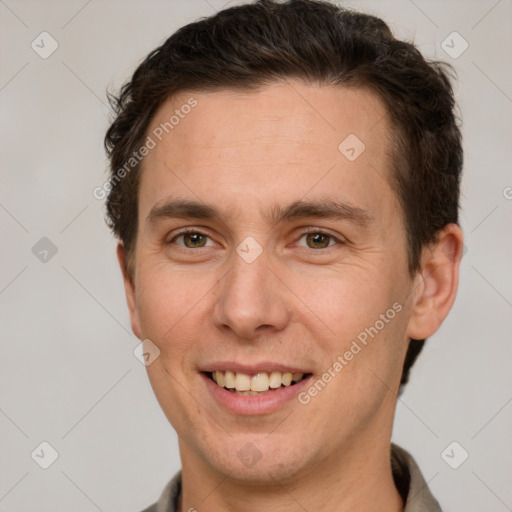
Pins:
x: 129, y: 289
x: 437, y: 283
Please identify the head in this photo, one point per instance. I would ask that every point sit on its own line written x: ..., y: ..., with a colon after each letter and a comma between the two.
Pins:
x: 246, y: 113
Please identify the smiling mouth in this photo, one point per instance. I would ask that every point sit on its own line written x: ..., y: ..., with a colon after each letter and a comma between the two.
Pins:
x: 244, y: 384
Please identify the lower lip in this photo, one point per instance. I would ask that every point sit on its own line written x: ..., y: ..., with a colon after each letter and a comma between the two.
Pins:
x: 265, y: 403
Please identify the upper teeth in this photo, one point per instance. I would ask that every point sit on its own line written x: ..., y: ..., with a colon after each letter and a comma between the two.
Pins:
x: 259, y: 382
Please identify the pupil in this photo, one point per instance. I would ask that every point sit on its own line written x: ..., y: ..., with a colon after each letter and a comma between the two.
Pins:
x: 195, y: 239
x: 316, y: 238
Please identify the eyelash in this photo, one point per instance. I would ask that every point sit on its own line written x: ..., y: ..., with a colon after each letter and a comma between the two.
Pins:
x: 304, y: 233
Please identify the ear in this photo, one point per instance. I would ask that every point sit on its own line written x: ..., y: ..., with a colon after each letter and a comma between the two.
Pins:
x: 437, y: 283
x: 129, y: 290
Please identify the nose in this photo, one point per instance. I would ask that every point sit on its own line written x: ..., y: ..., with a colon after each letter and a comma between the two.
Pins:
x: 252, y: 299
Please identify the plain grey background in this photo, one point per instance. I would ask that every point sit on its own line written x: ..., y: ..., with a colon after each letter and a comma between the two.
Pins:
x: 68, y: 373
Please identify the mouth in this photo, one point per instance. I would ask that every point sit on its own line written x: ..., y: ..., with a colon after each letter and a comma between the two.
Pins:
x: 263, y: 382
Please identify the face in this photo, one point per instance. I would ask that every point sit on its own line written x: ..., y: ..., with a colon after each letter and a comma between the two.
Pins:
x: 295, y: 259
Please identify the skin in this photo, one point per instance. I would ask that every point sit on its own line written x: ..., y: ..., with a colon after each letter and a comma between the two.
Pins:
x: 300, y: 302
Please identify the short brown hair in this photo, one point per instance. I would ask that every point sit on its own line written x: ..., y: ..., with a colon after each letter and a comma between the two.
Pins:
x: 249, y: 46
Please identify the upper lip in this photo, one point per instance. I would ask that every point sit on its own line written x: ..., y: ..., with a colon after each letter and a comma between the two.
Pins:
x: 252, y: 369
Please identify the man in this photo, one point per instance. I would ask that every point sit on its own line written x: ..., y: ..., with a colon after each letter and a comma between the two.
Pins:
x: 284, y: 186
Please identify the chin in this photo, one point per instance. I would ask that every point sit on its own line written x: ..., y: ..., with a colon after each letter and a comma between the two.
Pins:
x: 258, y: 460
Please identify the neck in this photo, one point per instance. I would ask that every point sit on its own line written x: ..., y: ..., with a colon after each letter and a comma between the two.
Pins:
x: 342, y: 482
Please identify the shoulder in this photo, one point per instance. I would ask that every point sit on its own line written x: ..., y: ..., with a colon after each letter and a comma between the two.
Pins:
x: 410, y: 482
x: 169, y: 497
x: 151, y: 508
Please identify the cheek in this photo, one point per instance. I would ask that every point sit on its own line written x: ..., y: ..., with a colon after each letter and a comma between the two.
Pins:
x: 362, y: 363
x: 348, y: 299
x: 167, y: 300
x: 169, y: 306
x: 365, y: 317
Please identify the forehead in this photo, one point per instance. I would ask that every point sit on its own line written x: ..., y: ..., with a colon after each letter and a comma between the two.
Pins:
x: 280, y: 142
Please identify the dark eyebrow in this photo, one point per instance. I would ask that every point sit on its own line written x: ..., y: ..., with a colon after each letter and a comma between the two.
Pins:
x: 326, y: 209
x: 182, y: 209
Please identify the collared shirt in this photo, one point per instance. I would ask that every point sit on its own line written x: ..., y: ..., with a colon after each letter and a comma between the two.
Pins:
x: 408, y: 480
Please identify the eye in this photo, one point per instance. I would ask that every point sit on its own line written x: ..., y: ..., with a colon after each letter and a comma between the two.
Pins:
x: 191, y: 239
x: 319, y: 240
